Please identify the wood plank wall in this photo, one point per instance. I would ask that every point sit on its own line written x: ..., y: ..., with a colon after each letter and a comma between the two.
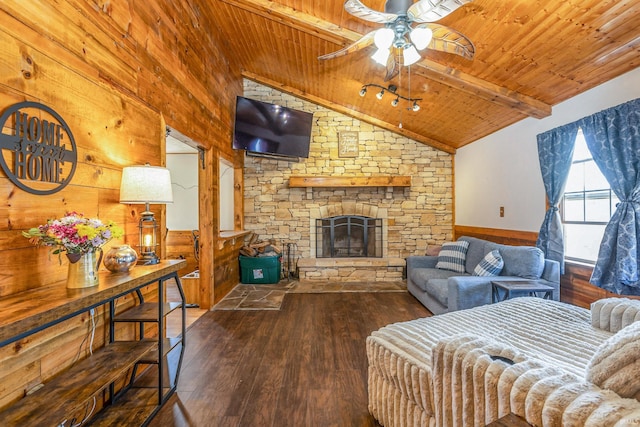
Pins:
x: 118, y: 73
x: 180, y: 245
x: 574, y: 283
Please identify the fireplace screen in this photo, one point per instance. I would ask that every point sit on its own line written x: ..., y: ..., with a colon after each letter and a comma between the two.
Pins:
x: 348, y: 236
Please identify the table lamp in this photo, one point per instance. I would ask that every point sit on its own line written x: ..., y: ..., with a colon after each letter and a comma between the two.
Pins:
x: 146, y: 184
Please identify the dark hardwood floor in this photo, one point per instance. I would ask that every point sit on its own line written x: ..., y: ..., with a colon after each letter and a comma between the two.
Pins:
x: 304, y: 365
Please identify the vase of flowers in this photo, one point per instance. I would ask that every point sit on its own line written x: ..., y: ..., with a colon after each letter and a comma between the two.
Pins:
x: 84, y: 272
x: 80, y: 239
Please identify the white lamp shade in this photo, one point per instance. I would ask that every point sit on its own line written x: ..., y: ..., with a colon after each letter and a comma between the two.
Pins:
x: 421, y: 37
x: 381, y: 56
x: 146, y: 184
x: 383, y: 38
x: 410, y: 55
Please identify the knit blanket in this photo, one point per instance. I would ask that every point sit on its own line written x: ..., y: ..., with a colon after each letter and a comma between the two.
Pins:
x: 543, y: 333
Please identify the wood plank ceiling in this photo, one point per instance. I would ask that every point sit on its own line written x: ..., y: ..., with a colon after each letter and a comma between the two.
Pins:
x: 530, y: 55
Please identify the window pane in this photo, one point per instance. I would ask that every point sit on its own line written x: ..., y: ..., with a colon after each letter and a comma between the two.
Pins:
x: 575, y: 181
x: 593, y: 178
x: 597, y: 206
x: 573, y: 209
x: 587, y: 199
x: 580, y: 150
x: 582, y: 241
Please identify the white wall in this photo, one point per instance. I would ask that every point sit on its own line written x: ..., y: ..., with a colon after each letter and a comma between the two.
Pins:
x: 502, y: 169
x: 182, y: 214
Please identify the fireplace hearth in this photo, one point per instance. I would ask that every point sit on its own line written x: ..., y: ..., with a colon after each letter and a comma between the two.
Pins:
x: 349, y: 236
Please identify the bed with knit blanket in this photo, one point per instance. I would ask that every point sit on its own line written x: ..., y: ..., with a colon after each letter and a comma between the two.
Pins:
x: 551, y: 363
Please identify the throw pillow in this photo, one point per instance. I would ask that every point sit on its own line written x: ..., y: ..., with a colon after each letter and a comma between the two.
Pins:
x: 491, y: 264
x: 452, y: 256
x: 616, y: 363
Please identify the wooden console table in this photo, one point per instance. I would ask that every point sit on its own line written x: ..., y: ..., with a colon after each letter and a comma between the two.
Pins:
x: 31, y: 311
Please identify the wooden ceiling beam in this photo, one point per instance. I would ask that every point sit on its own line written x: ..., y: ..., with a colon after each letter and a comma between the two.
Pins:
x: 349, y: 112
x: 426, y: 68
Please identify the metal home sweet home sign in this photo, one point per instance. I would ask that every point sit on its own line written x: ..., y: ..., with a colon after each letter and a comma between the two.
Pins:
x: 38, y: 153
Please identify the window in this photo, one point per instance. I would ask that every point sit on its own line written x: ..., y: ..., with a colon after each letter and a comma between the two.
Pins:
x: 227, y: 204
x: 586, y: 207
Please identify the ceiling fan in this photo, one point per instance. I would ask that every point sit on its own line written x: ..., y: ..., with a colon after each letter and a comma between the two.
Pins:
x: 399, y: 39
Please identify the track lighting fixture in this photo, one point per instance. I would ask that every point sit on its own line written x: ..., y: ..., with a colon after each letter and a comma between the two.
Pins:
x: 393, y: 90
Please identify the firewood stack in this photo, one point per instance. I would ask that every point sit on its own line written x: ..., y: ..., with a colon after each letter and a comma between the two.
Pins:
x: 256, y: 246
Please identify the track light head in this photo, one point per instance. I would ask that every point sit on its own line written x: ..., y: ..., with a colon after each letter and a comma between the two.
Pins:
x: 395, y: 102
x: 415, y: 107
x: 363, y: 91
x: 380, y: 94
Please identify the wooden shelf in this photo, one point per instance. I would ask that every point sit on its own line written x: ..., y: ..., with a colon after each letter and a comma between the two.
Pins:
x: 168, y: 345
x: 76, y: 385
x: 146, y: 312
x: 132, y: 409
x: 226, y: 235
x: 230, y: 237
x: 298, y: 181
x: 26, y: 313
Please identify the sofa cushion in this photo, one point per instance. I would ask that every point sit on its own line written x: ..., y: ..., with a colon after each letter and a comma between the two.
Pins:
x: 475, y: 253
x: 491, y: 264
x: 617, y: 361
x: 453, y: 256
x: 420, y: 276
x: 438, y: 289
x: 522, y: 261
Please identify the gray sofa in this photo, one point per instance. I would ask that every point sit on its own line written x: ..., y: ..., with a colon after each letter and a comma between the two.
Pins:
x: 443, y: 291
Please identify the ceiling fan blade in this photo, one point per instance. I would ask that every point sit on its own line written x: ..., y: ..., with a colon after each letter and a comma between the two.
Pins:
x: 448, y: 40
x: 433, y: 10
x: 359, y: 10
x: 393, y: 67
x: 362, y: 42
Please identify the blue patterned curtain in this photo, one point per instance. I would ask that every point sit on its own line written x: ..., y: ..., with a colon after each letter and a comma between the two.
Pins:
x: 613, y: 137
x: 555, y: 151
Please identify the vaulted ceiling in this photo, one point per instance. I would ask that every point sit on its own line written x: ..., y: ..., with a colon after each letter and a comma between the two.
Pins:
x: 530, y: 56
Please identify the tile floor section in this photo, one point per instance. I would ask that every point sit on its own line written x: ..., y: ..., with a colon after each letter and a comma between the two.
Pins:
x: 269, y: 297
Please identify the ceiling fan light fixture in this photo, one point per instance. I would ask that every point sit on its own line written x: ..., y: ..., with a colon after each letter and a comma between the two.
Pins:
x: 383, y: 38
x: 421, y: 37
x: 380, y: 94
x: 363, y: 91
x: 381, y: 56
x: 410, y: 55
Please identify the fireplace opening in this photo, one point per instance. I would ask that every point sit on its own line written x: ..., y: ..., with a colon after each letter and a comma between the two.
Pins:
x: 348, y: 236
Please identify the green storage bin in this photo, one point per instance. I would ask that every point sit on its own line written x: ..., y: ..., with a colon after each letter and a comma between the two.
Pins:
x: 259, y: 270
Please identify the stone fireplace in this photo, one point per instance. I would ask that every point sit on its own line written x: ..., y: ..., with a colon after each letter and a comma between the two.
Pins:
x: 350, y: 264
x: 348, y: 236
x: 411, y: 217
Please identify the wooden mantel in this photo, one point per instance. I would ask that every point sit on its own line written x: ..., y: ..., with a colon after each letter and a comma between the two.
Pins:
x: 298, y: 181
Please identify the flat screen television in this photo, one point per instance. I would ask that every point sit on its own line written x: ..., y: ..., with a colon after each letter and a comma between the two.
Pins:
x: 262, y: 128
